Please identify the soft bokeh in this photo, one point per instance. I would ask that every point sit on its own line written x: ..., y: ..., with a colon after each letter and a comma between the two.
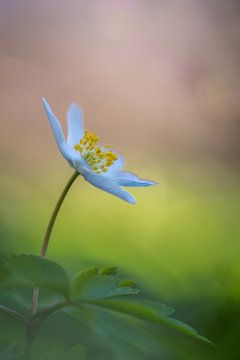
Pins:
x: 159, y: 81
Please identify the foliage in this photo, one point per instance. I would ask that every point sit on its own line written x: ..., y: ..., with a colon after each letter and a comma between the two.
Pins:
x: 91, y: 298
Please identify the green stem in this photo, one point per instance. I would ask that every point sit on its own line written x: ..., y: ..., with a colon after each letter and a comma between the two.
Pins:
x: 29, y: 340
x: 30, y: 327
x: 11, y: 313
x: 55, y: 213
x: 48, y: 234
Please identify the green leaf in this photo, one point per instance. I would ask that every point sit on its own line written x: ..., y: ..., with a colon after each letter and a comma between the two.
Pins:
x: 11, y: 313
x: 4, y: 272
x: 77, y: 352
x: 44, y: 313
x: 111, y: 270
x: 55, y: 352
x: 127, y: 283
x: 115, y: 329
x: 101, y: 287
x: 90, y: 284
x: 141, y: 309
x: 105, y: 287
x: 34, y: 271
x: 149, y: 311
x: 11, y: 353
x: 186, y: 329
x: 81, y: 279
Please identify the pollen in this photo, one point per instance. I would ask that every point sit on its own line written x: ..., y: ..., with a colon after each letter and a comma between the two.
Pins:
x: 97, y: 157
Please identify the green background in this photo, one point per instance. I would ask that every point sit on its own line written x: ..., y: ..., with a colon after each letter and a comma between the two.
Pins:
x: 158, y: 81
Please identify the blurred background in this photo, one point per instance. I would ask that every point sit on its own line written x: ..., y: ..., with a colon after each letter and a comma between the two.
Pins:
x: 159, y: 81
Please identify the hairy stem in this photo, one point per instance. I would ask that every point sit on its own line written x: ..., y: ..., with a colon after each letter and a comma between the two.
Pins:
x: 48, y: 234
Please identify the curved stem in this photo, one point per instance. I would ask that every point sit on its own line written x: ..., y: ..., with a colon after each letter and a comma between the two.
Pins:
x: 55, y: 213
x: 48, y: 234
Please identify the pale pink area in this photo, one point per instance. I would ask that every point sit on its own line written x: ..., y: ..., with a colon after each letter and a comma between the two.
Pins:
x: 159, y: 76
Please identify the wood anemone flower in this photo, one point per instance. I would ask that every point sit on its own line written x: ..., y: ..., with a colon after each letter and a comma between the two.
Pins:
x: 99, y: 165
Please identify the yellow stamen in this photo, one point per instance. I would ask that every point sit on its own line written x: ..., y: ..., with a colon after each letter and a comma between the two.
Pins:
x: 97, y: 157
x: 77, y: 147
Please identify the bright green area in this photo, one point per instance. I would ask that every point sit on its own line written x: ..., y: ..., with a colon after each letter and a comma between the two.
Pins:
x: 180, y: 242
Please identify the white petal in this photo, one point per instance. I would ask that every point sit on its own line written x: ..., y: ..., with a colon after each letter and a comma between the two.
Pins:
x: 75, y: 125
x: 125, y: 178
x: 81, y: 165
x: 57, y: 132
x: 115, y: 167
x: 109, y: 185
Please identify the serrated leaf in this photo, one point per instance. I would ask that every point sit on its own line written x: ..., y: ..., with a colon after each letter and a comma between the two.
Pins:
x: 186, y: 329
x: 115, y: 329
x: 81, y: 279
x: 127, y: 283
x: 123, y: 291
x: 34, y: 271
x: 111, y: 270
x: 92, y: 284
x: 141, y: 309
x: 149, y: 311
x: 101, y: 287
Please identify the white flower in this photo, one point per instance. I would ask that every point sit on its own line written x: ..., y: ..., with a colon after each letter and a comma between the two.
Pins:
x: 99, y: 165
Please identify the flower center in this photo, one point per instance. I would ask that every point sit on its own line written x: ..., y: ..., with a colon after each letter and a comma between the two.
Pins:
x: 98, y: 158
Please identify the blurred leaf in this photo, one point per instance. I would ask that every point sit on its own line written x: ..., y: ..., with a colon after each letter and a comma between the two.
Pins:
x: 94, y: 288
x: 55, y: 352
x: 101, y: 287
x: 99, y: 297
x: 11, y: 353
x: 186, y: 329
x: 149, y: 311
x: 112, y: 270
x: 11, y: 298
x: 142, y: 309
x: 105, y: 287
x: 77, y: 352
x: 90, y: 284
x: 34, y: 271
x: 127, y: 283
x: 44, y: 313
x: 4, y: 271
x: 82, y: 279
x: 122, y: 332
x: 58, y: 352
x: 11, y: 313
